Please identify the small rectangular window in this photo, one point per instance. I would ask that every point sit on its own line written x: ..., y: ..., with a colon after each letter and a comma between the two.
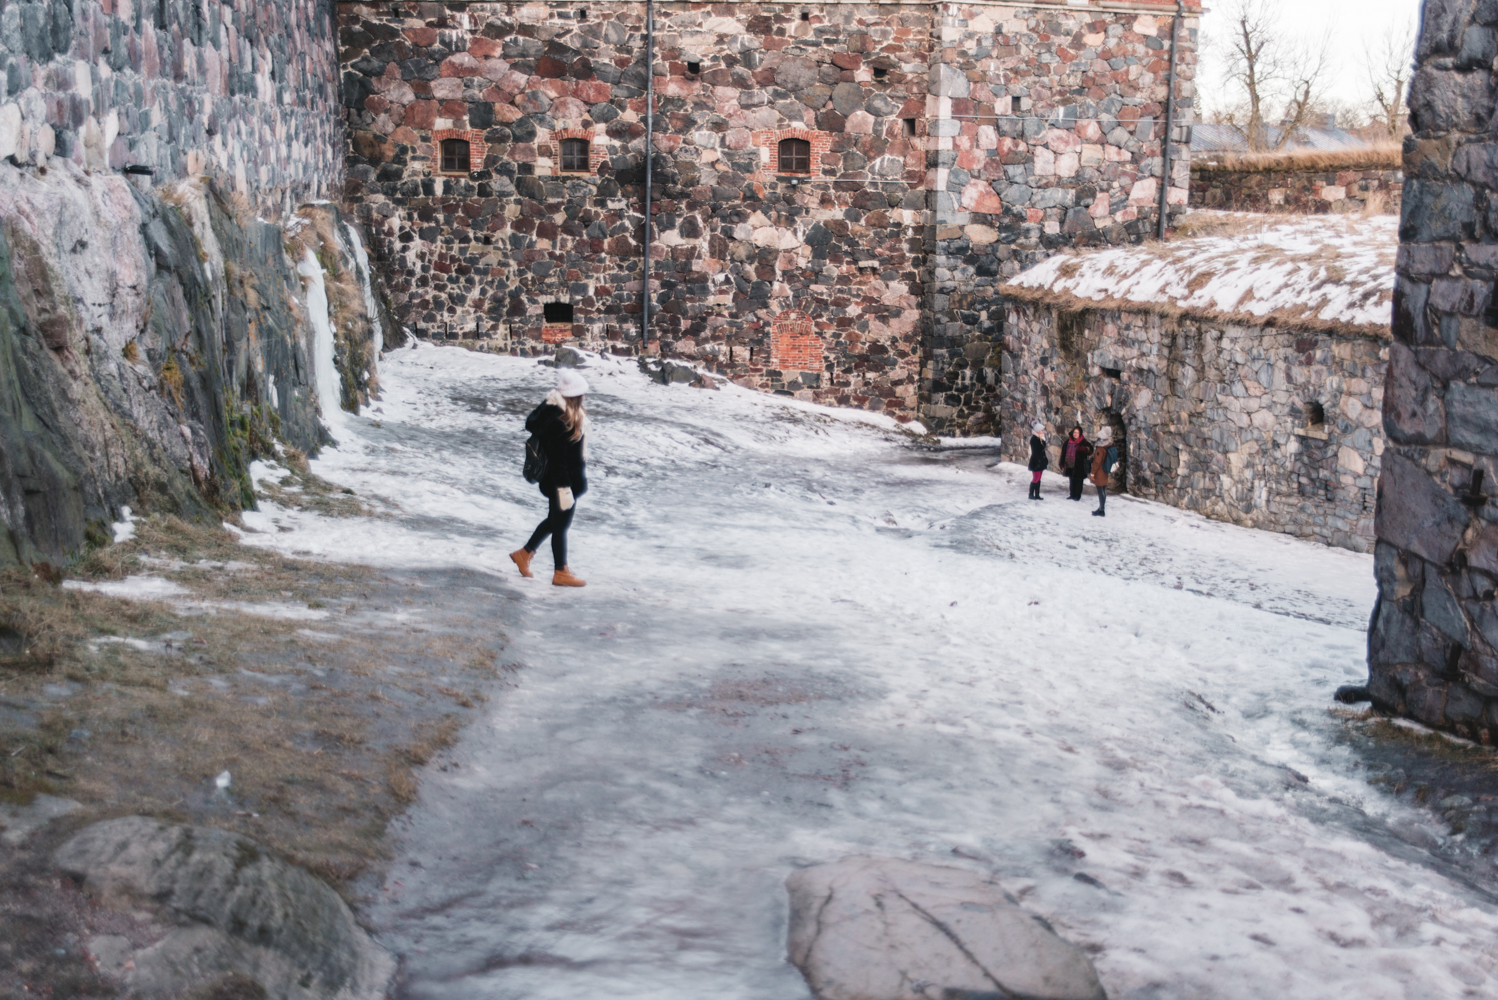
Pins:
x: 795, y: 156
x: 909, y: 126
x: 880, y: 72
x: 557, y: 312
x: 575, y: 156
x: 455, y: 156
x: 694, y: 67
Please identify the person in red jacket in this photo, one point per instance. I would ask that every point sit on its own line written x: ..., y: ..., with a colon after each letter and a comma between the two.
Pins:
x: 561, y: 424
x: 1076, y: 457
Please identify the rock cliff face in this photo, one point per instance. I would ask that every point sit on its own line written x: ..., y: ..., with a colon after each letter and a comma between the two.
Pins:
x: 152, y: 343
x: 1433, y: 646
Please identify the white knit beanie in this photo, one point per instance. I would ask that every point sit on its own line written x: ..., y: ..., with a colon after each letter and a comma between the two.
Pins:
x: 1105, y: 434
x: 1037, y: 427
x: 570, y: 383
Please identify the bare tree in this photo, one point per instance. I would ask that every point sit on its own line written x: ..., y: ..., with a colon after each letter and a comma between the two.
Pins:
x: 1280, y: 81
x: 1389, y: 60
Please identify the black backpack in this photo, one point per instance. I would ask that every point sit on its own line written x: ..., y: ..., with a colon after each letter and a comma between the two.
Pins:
x: 534, y: 469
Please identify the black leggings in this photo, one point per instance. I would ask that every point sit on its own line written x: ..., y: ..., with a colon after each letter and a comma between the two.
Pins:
x: 556, y: 524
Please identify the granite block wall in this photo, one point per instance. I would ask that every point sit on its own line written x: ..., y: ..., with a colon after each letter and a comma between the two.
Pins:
x: 1048, y: 126
x: 1298, y: 192
x: 243, y: 90
x: 1433, y: 642
x: 737, y: 241
x: 1266, y: 427
x: 911, y: 110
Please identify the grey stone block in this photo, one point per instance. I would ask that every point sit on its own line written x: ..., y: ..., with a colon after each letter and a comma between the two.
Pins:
x: 1413, y: 412
x: 1415, y: 513
x: 1472, y: 417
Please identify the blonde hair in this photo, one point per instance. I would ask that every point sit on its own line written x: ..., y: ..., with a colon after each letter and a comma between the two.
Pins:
x: 574, y: 416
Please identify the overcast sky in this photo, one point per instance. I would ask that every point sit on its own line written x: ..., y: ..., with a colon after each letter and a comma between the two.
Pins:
x: 1351, y: 22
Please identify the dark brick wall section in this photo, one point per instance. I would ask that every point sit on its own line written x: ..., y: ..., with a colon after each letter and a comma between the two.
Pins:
x: 243, y: 90
x: 1433, y: 644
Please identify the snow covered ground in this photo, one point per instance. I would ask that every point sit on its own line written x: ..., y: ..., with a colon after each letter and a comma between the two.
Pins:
x: 804, y: 637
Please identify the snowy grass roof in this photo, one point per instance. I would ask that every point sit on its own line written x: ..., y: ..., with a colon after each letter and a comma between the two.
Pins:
x: 1325, y: 273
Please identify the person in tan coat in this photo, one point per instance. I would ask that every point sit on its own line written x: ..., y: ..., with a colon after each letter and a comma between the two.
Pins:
x: 1104, y: 459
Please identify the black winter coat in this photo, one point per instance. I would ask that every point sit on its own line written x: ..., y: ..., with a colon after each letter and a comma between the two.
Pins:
x: 1038, y: 460
x: 565, y: 463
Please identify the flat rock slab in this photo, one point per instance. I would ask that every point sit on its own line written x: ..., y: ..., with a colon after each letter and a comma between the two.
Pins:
x: 234, y: 909
x: 884, y: 929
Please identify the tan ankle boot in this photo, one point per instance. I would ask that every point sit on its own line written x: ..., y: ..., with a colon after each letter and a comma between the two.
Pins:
x: 522, y: 559
x: 564, y: 578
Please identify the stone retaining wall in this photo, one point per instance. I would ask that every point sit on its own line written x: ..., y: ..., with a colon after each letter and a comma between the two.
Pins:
x: 244, y: 90
x: 1433, y: 648
x: 1301, y: 192
x: 1216, y: 418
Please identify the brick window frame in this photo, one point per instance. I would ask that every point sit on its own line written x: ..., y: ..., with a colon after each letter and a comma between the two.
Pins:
x: 596, y: 152
x: 477, y: 149
x: 795, y: 344
x: 769, y: 141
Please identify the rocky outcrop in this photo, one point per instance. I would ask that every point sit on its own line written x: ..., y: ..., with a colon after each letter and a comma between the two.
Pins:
x: 230, y: 908
x: 884, y: 929
x: 152, y: 343
x: 1433, y: 643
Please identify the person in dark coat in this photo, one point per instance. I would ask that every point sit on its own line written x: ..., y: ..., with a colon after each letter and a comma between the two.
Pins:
x: 561, y: 425
x: 1076, y: 457
x: 1104, y: 458
x: 1038, y: 459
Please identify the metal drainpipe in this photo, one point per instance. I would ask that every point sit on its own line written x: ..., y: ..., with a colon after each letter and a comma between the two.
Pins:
x: 1170, y: 116
x: 649, y: 160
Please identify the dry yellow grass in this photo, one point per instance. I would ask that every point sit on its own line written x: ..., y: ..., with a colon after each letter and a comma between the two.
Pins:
x: 1383, y: 156
x: 132, y: 707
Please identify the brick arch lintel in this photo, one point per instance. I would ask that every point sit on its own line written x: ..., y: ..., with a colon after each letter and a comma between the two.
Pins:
x: 477, y: 146
x: 596, y: 136
x: 769, y: 140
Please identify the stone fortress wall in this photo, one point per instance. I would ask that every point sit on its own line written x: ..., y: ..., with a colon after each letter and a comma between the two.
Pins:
x: 1270, y: 428
x: 952, y: 144
x: 1433, y: 646
x: 243, y: 90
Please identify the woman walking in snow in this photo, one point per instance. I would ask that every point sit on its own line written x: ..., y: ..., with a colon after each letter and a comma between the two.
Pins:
x: 1104, y: 459
x: 1076, y: 456
x: 1038, y: 459
x: 560, y: 424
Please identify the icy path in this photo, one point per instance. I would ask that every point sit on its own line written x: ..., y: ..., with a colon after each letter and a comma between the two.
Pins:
x: 803, y: 639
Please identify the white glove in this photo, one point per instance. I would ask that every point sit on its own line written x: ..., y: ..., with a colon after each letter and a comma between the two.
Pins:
x: 564, y: 497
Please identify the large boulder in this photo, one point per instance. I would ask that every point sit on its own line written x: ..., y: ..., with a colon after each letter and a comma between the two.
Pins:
x: 233, y: 909
x: 884, y: 929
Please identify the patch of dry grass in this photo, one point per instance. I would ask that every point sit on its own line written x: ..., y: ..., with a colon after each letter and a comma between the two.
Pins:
x: 1381, y: 156
x: 320, y: 724
x: 302, y: 489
